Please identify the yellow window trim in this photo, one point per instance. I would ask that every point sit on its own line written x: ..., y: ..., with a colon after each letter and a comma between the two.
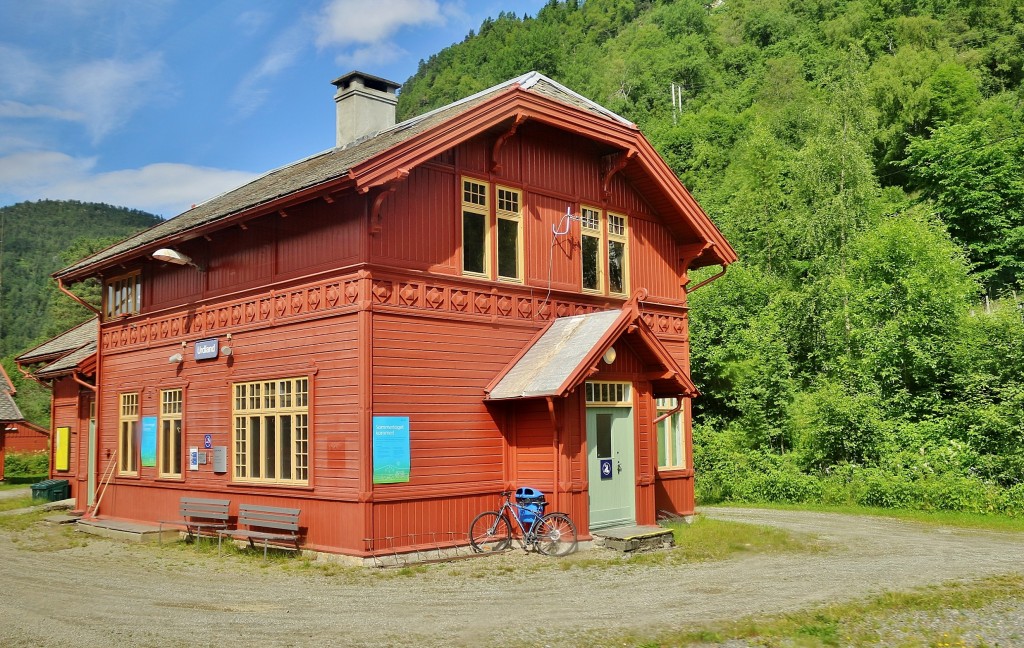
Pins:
x: 517, y: 217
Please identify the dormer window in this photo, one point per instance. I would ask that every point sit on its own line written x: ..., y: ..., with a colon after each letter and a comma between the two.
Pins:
x: 122, y: 295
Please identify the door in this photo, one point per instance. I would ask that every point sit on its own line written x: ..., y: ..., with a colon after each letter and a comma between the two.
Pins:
x: 610, y: 466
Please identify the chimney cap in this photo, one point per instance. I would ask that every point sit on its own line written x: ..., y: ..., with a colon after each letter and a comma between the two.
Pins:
x: 370, y: 81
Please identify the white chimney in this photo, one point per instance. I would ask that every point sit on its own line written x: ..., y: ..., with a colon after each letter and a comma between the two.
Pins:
x: 366, y: 105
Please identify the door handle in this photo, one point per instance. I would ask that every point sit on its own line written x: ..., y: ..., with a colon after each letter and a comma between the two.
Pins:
x: 618, y: 466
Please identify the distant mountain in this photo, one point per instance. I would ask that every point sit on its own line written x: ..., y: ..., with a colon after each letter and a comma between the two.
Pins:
x: 34, y: 237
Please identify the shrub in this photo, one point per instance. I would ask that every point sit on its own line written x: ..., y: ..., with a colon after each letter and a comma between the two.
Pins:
x: 26, y: 464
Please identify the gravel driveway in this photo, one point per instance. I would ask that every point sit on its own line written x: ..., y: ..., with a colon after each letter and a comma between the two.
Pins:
x: 107, y: 593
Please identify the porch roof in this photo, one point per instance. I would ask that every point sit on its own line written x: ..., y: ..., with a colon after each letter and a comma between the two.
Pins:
x: 568, y: 350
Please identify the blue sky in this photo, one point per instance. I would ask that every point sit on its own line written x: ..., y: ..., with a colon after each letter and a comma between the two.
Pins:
x: 160, y: 104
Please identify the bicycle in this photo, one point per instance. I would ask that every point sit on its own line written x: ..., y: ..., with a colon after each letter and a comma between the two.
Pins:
x: 553, y: 534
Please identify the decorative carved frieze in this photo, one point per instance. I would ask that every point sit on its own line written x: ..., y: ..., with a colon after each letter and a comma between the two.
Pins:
x: 309, y: 300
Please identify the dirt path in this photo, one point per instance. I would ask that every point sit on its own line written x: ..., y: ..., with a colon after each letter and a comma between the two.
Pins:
x: 107, y: 593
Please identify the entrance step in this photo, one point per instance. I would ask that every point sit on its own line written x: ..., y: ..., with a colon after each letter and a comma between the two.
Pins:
x: 634, y: 538
x: 125, y: 530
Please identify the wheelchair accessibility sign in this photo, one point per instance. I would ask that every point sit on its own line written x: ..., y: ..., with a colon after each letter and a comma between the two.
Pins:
x: 606, y: 468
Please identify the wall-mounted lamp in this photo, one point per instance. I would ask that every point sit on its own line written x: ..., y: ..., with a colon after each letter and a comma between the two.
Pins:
x: 226, y: 351
x: 175, y: 359
x: 609, y: 355
x: 167, y: 255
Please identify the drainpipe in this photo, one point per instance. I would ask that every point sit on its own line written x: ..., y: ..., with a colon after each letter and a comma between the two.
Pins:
x: 679, y: 406
x: 63, y: 289
x: 705, y: 282
x: 74, y: 376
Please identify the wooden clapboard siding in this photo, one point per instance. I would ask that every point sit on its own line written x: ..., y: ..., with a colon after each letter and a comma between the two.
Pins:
x: 535, y: 447
x: 318, y: 235
x: 549, y: 258
x: 434, y: 371
x: 673, y: 493
x: 550, y: 160
x: 430, y: 522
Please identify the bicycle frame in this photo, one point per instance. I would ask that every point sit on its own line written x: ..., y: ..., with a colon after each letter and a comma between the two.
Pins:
x: 552, y: 534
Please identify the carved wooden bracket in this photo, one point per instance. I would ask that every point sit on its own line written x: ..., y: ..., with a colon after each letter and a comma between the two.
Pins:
x: 690, y: 253
x: 376, y: 219
x: 613, y: 164
x: 504, y: 137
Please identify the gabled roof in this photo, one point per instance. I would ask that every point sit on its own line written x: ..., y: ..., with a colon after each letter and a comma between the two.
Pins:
x: 8, y: 408
x: 68, y: 341
x: 569, y: 349
x: 82, y: 358
x: 390, y: 154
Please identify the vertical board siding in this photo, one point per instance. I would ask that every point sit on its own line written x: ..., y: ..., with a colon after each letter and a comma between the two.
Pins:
x: 474, y: 156
x: 244, y: 257
x: 434, y: 372
x: 559, y: 254
x: 65, y: 413
x: 170, y: 284
x: 318, y: 234
x: 425, y: 523
x: 549, y: 160
x: 419, y: 223
x: 654, y: 262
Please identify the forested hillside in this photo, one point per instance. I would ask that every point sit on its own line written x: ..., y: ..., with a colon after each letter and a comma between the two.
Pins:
x: 37, y: 239
x: 866, y: 159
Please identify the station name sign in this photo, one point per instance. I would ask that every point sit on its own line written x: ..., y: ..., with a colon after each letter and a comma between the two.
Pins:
x: 206, y: 349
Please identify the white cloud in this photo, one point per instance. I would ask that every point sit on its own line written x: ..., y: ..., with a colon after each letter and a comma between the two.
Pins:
x: 109, y: 91
x: 284, y: 52
x: 163, y: 188
x: 373, y: 55
x: 347, y: 22
x: 18, y: 110
x: 101, y: 94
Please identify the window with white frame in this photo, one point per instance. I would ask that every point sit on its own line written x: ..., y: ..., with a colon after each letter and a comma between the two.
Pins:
x: 122, y: 295
x: 170, y: 433
x: 271, y: 431
x: 670, y: 435
x: 127, y: 437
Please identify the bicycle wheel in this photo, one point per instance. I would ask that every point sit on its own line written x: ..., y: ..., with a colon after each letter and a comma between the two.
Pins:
x: 489, y: 532
x: 556, y: 535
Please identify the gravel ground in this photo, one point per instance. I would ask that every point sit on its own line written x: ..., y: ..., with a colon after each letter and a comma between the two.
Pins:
x: 101, y: 593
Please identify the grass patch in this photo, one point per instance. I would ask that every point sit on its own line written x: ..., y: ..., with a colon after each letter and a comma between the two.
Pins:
x: 12, y: 503
x: 992, y: 522
x: 7, y: 485
x: 859, y: 623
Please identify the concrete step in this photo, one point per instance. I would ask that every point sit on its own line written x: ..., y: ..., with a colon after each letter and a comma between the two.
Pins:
x: 126, y: 531
x: 634, y: 538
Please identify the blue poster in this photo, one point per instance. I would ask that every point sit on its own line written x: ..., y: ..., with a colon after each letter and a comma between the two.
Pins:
x: 148, y: 444
x: 390, y: 449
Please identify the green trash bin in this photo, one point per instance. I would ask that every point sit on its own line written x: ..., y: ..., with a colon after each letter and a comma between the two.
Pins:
x: 51, y: 490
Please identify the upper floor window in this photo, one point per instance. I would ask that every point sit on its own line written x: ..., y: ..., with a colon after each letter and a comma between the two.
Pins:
x: 122, y: 295
x: 604, y: 252
x: 492, y: 230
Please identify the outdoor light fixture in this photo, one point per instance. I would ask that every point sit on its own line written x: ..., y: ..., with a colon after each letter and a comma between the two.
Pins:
x: 167, y: 255
x: 226, y: 351
x: 175, y: 359
x: 609, y: 355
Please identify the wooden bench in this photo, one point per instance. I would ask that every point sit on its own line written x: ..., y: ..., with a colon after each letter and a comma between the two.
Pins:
x: 198, y: 515
x: 258, y: 519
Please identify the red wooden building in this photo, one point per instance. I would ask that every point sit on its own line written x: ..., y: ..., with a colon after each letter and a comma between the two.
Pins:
x: 16, y: 434
x: 387, y: 334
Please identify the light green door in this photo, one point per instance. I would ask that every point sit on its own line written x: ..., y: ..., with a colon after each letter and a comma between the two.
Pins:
x: 91, y: 458
x: 610, y: 466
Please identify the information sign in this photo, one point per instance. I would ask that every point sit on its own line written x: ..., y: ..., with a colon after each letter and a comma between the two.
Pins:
x: 391, y: 463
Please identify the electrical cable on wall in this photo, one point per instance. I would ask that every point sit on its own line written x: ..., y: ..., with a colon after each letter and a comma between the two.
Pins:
x: 556, y: 231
